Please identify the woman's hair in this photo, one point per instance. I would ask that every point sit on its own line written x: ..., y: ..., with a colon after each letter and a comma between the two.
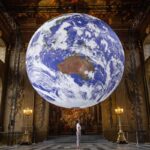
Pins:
x: 77, y: 121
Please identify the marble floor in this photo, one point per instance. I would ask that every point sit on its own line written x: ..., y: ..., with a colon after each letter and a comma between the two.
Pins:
x: 64, y: 144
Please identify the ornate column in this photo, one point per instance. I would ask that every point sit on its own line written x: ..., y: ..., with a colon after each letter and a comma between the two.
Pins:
x: 134, y: 88
x: 98, y: 115
x: 11, y: 89
x: 13, y: 82
x: 41, y: 119
x: 147, y: 101
x: 15, y: 89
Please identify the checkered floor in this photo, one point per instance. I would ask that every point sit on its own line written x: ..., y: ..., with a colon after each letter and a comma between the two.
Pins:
x: 100, y: 144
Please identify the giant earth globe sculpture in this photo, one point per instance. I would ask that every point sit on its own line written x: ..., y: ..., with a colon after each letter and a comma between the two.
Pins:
x: 75, y: 61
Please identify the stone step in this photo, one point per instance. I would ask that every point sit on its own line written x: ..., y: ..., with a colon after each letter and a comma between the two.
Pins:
x: 72, y: 139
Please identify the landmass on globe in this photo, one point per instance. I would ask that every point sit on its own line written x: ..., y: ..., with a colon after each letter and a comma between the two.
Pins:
x: 76, y: 65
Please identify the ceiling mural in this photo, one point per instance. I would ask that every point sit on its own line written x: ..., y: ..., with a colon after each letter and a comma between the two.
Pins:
x: 120, y: 14
x: 66, y: 2
x: 48, y: 3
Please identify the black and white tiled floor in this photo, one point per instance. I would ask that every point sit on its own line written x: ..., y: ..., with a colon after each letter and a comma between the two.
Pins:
x: 61, y: 145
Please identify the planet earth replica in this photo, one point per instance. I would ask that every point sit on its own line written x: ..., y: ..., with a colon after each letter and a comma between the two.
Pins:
x: 75, y: 61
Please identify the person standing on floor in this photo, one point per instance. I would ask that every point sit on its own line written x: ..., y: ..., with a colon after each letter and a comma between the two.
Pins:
x: 78, y: 134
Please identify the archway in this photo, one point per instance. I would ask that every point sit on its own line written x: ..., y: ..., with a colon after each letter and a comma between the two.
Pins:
x: 146, y: 46
x: 2, y: 70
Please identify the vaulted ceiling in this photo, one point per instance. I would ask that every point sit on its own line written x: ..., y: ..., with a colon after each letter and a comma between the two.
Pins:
x: 120, y: 14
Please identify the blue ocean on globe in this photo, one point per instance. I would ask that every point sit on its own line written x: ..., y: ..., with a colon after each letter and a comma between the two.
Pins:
x: 75, y: 61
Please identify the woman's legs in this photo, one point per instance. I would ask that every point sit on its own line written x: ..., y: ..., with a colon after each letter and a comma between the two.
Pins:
x: 78, y: 140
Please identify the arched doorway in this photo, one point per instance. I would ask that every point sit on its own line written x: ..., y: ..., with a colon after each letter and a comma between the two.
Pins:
x: 62, y: 121
x: 146, y: 46
x: 2, y: 70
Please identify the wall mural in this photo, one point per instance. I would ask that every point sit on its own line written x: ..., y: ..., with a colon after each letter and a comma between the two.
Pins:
x: 62, y: 121
x: 71, y: 115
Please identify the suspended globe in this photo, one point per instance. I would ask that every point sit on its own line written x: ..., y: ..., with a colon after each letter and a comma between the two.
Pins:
x: 75, y: 61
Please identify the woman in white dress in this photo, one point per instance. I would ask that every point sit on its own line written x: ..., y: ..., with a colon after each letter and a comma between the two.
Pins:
x: 78, y: 133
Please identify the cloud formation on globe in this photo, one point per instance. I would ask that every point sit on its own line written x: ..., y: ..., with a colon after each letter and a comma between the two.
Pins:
x: 75, y: 60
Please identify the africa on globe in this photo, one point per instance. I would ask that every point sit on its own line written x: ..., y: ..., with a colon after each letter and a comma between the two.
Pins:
x: 75, y: 61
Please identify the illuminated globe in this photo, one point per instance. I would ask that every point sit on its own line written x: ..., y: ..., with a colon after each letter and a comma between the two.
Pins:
x: 75, y: 61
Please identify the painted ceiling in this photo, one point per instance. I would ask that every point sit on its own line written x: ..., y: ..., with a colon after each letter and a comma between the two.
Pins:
x: 120, y: 14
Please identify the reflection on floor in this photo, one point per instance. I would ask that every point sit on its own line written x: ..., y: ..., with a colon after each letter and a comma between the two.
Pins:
x: 87, y: 143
